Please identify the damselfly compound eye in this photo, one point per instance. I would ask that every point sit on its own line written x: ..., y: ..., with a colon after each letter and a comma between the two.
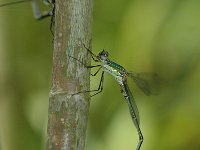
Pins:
x: 104, y: 54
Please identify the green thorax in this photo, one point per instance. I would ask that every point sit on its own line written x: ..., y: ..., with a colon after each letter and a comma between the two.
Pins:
x: 116, y: 66
x: 114, y: 69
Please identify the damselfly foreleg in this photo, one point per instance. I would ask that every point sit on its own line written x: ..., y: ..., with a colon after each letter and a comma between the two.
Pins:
x: 94, y: 57
x: 85, y: 64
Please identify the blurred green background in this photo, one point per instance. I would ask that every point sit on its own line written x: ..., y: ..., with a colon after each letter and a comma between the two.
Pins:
x: 161, y: 36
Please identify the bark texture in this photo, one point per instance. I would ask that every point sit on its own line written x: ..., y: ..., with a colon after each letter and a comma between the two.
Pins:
x: 68, y: 114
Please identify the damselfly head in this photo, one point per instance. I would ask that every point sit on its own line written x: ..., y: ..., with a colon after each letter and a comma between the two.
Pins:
x: 103, y: 55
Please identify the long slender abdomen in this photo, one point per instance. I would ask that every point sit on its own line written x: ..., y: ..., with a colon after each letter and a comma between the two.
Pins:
x: 131, y: 104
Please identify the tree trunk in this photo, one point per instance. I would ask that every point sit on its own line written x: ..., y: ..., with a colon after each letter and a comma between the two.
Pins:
x: 68, y: 114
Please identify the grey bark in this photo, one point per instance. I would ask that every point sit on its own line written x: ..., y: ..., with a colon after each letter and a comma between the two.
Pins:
x: 68, y: 115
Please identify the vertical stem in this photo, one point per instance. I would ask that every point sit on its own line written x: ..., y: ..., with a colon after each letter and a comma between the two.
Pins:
x: 68, y: 114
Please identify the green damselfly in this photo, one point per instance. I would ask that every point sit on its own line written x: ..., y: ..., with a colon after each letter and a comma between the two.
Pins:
x: 120, y: 74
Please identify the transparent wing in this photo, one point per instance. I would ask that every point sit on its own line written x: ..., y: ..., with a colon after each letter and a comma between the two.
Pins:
x: 147, y: 82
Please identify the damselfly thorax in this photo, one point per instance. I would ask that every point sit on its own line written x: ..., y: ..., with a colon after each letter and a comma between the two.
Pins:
x: 115, y: 70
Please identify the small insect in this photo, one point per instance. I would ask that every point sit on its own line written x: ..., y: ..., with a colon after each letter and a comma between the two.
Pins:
x: 120, y: 74
x: 36, y: 11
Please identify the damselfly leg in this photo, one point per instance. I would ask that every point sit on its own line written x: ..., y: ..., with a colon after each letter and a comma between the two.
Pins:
x: 41, y: 15
x: 36, y: 11
x: 100, y: 87
x: 98, y: 90
x: 35, y: 8
x: 94, y: 57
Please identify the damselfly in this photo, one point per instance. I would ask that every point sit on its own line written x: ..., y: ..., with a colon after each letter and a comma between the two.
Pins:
x: 36, y: 11
x: 120, y: 74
